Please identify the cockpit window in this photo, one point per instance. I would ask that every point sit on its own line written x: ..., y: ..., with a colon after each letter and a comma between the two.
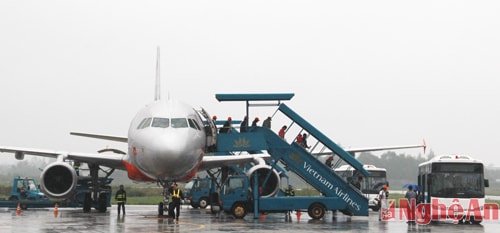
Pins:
x: 193, y: 124
x: 146, y: 122
x: 179, y: 123
x: 160, y: 122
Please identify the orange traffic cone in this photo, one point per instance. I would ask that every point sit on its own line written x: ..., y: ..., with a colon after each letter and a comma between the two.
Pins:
x: 56, y: 210
x: 18, y: 210
x: 262, y: 217
x: 298, y: 215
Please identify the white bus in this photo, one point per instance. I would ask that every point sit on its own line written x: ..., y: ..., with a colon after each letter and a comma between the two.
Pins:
x: 451, y: 182
x: 370, y: 186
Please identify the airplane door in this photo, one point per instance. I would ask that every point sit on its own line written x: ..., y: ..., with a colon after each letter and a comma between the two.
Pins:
x: 210, y: 129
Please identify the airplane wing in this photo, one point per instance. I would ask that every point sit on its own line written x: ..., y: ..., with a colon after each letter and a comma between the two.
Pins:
x: 356, y: 150
x: 104, y: 159
x: 216, y: 161
x: 353, y: 151
x: 100, y: 136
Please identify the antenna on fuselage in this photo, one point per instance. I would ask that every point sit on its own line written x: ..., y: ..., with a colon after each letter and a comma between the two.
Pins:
x: 157, y: 87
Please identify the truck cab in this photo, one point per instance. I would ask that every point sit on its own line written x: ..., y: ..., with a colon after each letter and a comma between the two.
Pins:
x: 25, y: 188
x: 236, y: 196
x: 198, y: 192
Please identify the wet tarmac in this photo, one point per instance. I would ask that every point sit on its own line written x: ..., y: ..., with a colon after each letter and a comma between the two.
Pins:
x: 144, y: 219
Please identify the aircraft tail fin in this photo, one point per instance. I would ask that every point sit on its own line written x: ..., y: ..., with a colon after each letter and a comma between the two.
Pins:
x: 157, y: 85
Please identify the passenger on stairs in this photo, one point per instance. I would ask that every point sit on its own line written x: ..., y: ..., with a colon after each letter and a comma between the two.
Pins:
x: 329, y: 161
x: 304, y: 141
x: 226, y: 128
x: 267, y: 123
x: 244, y: 125
x: 254, y: 122
x: 281, y: 133
x: 299, y: 139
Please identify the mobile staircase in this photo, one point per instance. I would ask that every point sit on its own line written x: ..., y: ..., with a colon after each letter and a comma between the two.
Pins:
x: 304, y: 162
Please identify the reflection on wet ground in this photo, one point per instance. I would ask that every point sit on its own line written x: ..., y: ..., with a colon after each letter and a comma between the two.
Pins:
x: 144, y: 219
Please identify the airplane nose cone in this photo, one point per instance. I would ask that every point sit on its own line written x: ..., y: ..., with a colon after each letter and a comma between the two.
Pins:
x: 169, y: 149
x: 170, y: 157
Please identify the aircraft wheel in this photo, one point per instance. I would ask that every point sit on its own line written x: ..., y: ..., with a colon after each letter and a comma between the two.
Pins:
x: 87, y: 202
x: 203, y: 203
x: 103, y: 198
x: 239, y: 210
x: 160, y: 209
x: 316, y: 211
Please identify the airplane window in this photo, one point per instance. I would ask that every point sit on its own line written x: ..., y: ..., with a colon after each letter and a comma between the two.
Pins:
x: 197, y: 125
x: 144, y: 123
x: 193, y: 124
x: 179, y: 123
x: 160, y: 122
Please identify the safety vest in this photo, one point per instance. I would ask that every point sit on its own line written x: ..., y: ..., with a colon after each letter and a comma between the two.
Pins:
x: 176, y: 195
x: 120, y: 196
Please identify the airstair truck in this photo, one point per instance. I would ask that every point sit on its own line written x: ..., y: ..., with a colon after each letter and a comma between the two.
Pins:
x: 238, y: 200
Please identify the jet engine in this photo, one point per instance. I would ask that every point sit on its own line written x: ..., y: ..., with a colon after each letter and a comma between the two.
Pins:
x: 58, y: 180
x: 272, y: 184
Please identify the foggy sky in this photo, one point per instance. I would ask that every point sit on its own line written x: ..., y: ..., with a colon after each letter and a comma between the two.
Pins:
x: 365, y: 73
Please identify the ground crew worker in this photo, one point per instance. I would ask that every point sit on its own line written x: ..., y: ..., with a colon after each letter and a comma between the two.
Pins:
x: 176, y: 200
x: 76, y: 166
x: 289, y: 191
x: 382, y: 197
x: 121, y: 199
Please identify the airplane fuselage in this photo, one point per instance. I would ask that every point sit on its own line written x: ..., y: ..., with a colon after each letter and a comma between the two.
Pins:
x: 166, y: 141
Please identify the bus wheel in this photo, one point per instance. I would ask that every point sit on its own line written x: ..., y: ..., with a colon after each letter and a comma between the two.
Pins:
x: 474, y: 221
x: 239, y: 210
x: 316, y: 210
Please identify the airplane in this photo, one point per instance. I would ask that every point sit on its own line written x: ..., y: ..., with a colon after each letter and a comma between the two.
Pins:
x: 166, y: 143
